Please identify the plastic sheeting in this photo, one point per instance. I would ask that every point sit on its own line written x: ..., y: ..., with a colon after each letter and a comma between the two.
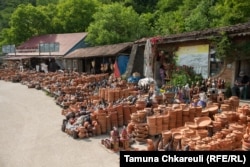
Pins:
x: 122, y: 63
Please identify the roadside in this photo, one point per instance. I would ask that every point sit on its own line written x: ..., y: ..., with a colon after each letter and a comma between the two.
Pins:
x: 30, y: 133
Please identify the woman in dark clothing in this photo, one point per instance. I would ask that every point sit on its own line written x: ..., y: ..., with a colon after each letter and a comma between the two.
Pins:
x: 241, y: 86
x: 162, y: 75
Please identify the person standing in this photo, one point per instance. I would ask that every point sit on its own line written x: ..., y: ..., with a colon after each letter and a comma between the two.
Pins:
x: 21, y: 65
x: 241, y: 85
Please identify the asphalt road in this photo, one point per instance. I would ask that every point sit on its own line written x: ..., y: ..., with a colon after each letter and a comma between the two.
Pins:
x: 30, y: 134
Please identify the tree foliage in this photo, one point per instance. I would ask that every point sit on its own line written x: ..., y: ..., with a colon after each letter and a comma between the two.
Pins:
x: 27, y: 21
x: 74, y: 15
x: 114, y: 23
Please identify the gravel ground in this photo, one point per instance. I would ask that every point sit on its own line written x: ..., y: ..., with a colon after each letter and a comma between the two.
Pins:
x: 30, y: 134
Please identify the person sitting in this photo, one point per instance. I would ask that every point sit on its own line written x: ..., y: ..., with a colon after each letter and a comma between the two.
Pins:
x: 241, y: 86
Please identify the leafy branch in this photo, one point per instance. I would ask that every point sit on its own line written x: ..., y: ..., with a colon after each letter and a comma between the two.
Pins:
x: 223, y: 45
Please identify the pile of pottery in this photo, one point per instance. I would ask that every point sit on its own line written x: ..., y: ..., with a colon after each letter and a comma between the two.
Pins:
x: 246, y: 139
x: 140, y: 132
x: 118, y: 140
x: 152, y: 128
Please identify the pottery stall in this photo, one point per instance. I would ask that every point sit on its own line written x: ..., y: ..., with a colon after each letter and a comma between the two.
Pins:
x: 101, y: 104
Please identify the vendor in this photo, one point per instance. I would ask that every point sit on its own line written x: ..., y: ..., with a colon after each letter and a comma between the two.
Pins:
x: 241, y: 85
x: 162, y: 75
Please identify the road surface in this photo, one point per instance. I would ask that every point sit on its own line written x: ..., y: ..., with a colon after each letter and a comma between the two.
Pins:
x: 30, y: 134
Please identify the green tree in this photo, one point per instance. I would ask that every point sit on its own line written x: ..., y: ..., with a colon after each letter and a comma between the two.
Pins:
x: 170, y: 23
x: 50, y: 11
x: 229, y: 12
x: 25, y: 22
x: 168, y: 5
x: 199, y: 17
x: 46, y: 2
x: 114, y: 23
x: 74, y: 15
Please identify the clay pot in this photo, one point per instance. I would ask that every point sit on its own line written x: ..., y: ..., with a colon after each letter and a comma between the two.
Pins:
x: 177, y: 136
x: 238, y: 135
x: 202, y: 147
x: 152, y: 130
x: 214, y: 146
x: 195, y: 138
x: 203, y: 122
x: 188, y: 133
x: 151, y: 120
x: 236, y: 126
x: 166, y: 134
x: 202, y: 133
x: 191, y: 125
x: 217, y: 135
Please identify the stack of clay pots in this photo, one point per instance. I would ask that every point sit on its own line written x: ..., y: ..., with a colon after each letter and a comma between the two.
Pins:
x: 133, y: 109
x: 102, y: 93
x: 110, y: 95
x: 238, y: 138
x: 234, y: 101
x: 231, y: 116
x: 191, y: 114
x: 134, y: 117
x: 172, y: 119
x: 166, y: 136
x: 151, y: 121
x: 246, y: 139
x: 198, y: 111
x: 159, y: 124
x: 178, y: 117
x: 116, y: 94
x: 185, y: 115
x: 119, y: 109
x: 141, y: 132
x: 141, y: 116
x: 102, y: 120
x: 177, y: 136
x: 150, y: 145
x: 165, y: 122
x: 220, y: 117
x: 126, y: 114
x: 140, y: 104
x: 243, y: 113
x: 216, y: 125
x: 113, y: 117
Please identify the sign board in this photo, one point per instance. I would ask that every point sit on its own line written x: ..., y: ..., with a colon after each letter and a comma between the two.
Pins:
x: 195, y: 56
x: 8, y: 49
x: 49, y: 47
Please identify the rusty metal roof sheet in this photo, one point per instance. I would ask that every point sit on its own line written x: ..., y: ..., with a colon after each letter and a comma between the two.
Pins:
x: 234, y: 30
x: 105, y: 50
x: 66, y: 41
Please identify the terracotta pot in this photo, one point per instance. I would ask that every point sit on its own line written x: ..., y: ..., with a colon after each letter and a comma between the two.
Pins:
x: 238, y: 134
x: 151, y: 120
x: 188, y: 133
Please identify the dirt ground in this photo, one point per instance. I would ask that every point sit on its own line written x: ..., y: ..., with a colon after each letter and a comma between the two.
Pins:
x: 31, y: 136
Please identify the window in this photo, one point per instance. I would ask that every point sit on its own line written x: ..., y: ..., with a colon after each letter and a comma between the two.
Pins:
x: 49, y: 47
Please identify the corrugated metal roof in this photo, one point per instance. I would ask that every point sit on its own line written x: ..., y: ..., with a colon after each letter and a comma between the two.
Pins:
x: 234, y: 30
x: 105, y: 50
x: 66, y: 41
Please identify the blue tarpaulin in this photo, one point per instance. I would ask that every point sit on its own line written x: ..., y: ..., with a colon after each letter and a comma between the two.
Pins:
x: 122, y: 63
